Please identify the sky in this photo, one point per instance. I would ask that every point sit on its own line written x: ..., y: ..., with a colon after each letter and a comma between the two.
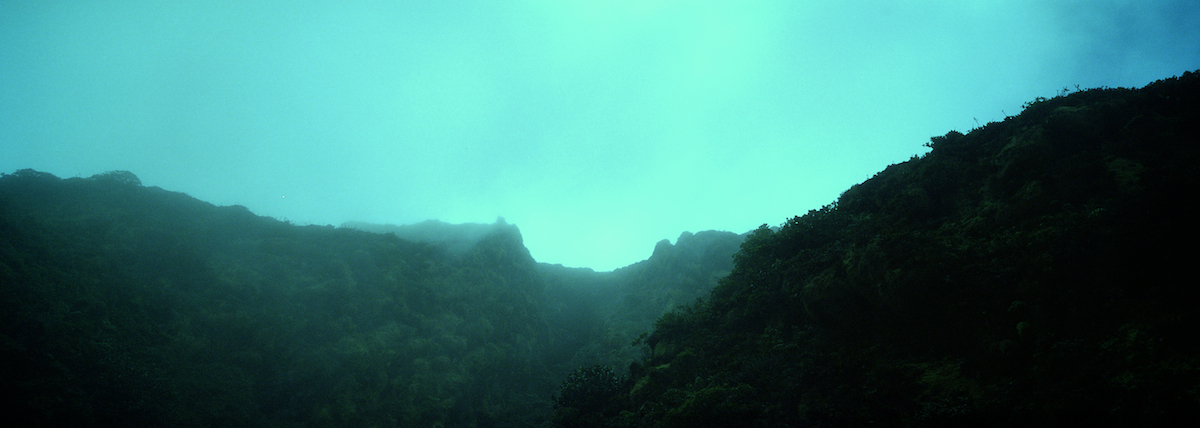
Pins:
x: 597, y: 127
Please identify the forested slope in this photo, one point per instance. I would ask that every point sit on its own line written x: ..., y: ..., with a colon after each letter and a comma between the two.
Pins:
x: 597, y: 316
x: 122, y: 305
x: 594, y: 317
x: 1033, y: 272
x: 126, y: 305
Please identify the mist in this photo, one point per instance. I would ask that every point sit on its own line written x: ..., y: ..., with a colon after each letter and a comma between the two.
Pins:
x: 598, y: 128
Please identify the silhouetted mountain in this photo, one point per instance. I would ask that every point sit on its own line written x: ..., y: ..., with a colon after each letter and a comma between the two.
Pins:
x: 458, y: 238
x: 1033, y: 272
x: 126, y: 305
x: 1029, y: 273
x: 601, y: 314
x: 690, y: 268
x: 133, y: 306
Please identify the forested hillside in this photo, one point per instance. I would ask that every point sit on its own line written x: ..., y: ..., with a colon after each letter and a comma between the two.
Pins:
x: 132, y: 306
x: 599, y: 315
x: 1033, y: 272
x: 594, y: 317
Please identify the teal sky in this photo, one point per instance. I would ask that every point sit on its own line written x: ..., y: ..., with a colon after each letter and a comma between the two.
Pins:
x: 597, y: 127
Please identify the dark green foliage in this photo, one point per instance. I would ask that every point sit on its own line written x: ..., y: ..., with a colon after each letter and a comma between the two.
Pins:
x: 589, y: 389
x: 587, y: 397
x: 1024, y: 274
x: 124, y: 178
x: 126, y: 305
x: 596, y: 316
x: 133, y: 306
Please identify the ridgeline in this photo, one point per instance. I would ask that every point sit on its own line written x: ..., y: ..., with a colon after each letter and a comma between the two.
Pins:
x: 1032, y: 272
x: 126, y: 305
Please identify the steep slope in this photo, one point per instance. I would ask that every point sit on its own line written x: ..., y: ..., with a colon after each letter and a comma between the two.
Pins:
x: 133, y: 306
x: 597, y: 316
x: 594, y: 317
x: 126, y: 305
x: 1030, y: 273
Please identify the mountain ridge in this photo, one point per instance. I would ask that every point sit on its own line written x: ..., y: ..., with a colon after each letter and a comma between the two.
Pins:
x: 1026, y: 273
x: 1023, y: 274
x: 126, y: 304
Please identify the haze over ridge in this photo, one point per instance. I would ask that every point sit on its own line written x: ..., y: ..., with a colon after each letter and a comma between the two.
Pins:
x: 599, y: 128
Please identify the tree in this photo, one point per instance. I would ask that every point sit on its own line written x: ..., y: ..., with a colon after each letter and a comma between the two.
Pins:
x: 589, y: 389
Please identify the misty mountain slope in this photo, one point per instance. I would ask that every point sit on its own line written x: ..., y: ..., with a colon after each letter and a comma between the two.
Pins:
x: 1033, y: 272
x: 600, y: 314
x: 458, y: 238
x: 595, y: 316
x: 125, y: 305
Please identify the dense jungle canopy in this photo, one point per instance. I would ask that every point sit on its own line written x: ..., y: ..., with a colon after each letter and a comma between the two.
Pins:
x: 132, y: 306
x: 1032, y: 272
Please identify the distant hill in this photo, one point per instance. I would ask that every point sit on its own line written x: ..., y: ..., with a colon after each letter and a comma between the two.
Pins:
x: 595, y: 316
x: 605, y: 312
x: 125, y: 305
x: 1033, y: 272
x: 132, y: 306
x: 457, y: 238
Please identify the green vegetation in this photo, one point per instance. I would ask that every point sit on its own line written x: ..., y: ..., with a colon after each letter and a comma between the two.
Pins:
x: 1032, y: 272
x: 591, y: 392
x: 128, y: 304
x: 125, y: 305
